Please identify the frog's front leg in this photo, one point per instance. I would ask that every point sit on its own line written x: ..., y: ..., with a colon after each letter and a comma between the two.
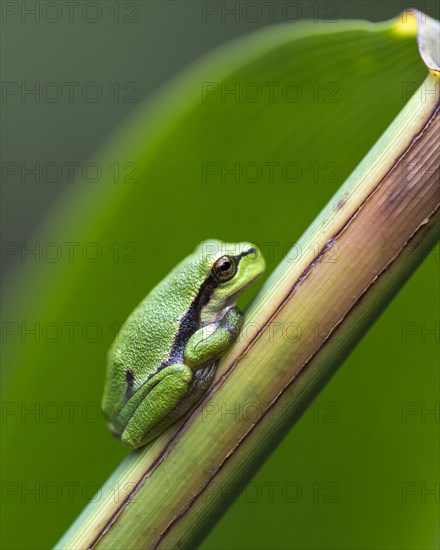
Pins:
x: 168, y: 387
x: 211, y: 341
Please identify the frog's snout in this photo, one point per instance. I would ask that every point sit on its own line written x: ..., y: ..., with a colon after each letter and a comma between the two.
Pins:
x: 253, y: 260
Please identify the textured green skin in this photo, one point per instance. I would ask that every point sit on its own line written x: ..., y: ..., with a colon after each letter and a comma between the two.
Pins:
x: 168, y: 378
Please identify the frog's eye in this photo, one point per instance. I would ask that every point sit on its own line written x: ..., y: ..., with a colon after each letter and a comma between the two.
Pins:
x: 225, y: 268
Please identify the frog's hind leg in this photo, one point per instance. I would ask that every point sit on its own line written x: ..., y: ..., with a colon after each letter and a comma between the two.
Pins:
x: 177, y: 391
x: 154, y: 412
x: 202, y: 380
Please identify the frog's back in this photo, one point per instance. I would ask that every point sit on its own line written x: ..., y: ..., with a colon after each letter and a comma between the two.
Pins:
x: 153, y: 335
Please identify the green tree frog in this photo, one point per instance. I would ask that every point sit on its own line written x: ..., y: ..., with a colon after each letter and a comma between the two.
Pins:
x: 166, y: 354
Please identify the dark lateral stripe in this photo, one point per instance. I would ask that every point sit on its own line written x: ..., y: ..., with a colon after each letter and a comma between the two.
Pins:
x: 129, y: 379
x: 238, y: 257
x: 191, y: 320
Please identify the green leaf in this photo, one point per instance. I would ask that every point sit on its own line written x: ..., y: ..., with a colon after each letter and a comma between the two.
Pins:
x: 277, y: 119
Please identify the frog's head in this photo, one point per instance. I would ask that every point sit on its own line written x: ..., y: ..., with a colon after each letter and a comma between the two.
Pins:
x: 229, y: 269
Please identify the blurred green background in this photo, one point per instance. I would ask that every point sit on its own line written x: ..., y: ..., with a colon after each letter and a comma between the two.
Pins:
x: 360, y: 470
